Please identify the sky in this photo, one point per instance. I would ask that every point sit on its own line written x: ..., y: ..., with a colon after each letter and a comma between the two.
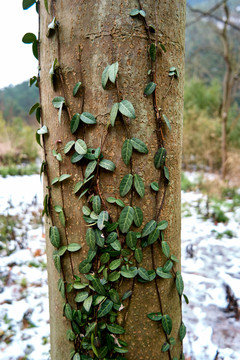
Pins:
x: 17, y: 63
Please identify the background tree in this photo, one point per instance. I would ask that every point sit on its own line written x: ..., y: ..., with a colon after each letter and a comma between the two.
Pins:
x: 83, y: 38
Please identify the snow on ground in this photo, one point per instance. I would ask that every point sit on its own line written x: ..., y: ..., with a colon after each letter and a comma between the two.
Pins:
x: 210, y: 260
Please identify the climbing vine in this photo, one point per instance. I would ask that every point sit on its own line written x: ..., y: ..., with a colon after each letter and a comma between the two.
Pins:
x: 115, y: 248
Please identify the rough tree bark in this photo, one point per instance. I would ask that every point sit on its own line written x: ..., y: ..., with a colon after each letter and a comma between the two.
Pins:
x: 91, y: 35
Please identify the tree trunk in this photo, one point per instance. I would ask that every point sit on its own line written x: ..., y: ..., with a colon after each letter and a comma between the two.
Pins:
x: 92, y: 34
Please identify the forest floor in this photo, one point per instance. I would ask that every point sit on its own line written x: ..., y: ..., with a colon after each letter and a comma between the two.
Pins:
x: 210, y: 264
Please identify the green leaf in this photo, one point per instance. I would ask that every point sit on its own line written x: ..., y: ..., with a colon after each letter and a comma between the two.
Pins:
x: 126, y: 184
x: 126, y: 219
x: 114, y: 276
x: 68, y: 312
x: 107, y: 164
x: 131, y: 240
x: 27, y: 3
x: 112, y: 72
x: 167, y: 121
x: 162, y: 274
x: 70, y: 335
x: 113, y: 113
x: 179, y: 283
x: 134, y: 12
x: 34, y: 108
x: 149, y: 227
x: 35, y: 49
x: 143, y: 273
x: 76, y: 88
x: 120, y: 350
x: 186, y: 299
x: 162, y: 225
x: 165, y: 347
x: 83, y: 295
x: 96, y: 204
x: 57, y: 263
x: 105, y: 76
x: 129, y: 273
x: 154, y: 186
x: 90, y: 238
x: 88, y: 118
x: 115, y: 329
x: 127, y: 151
x: 155, y: 316
x: 88, y: 303
x: 90, y: 168
x: 90, y: 328
x: 76, y: 356
x: 165, y: 248
x: 76, y: 157
x: 62, y: 218
x: 105, y: 308
x: 99, y: 238
x: 115, y: 264
x: 142, y: 13
x: 159, y: 158
x: 182, y: 331
x: 74, y: 124
x: 80, y: 147
x: 114, y: 296
x: 152, y: 52
x: 58, y: 101
x: 103, y: 216
x: 174, y: 258
x: 43, y: 130
x: 84, y: 267
x: 139, y: 185
x: 167, y: 324
x: 126, y: 108
x: 54, y: 236
x: 167, y: 266
x: 96, y: 283
x: 119, y: 202
x: 68, y: 146
x: 139, y: 145
x: 104, y: 258
x: 162, y: 47
x: 78, y: 286
x: 126, y: 295
x: 74, y: 247
x: 149, y: 89
x: 55, y: 180
x: 46, y: 7
x: 29, y: 38
x: 138, y: 216
x: 153, y: 236
x: 64, y: 177
x: 138, y: 254
x: 166, y: 172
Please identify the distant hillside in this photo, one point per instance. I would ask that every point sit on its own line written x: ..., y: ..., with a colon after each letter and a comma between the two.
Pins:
x: 15, y: 101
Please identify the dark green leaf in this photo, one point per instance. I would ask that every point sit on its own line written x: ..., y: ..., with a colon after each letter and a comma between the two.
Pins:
x: 57, y: 262
x: 149, y: 227
x: 64, y: 177
x: 88, y: 118
x: 174, y: 258
x: 113, y: 113
x: 34, y: 108
x: 91, y: 254
x: 27, y: 3
x: 139, y: 145
x: 70, y: 335
x: 126, y: 184
x: 115, y: 329
x: 46, y: 7
x: 115, y: 264
x: 114, y: 276
x: 96, y: 204
x: 129, y: 273
x: 179, y: 283
x: 126, y: 108
x: 35, y: 49
x: 85, y: 267
x: 105, y: 308
x: 103, y: 216
x: 131, y: 240
x: 55, y: 236
x: 107, y: 164
x: 114, y: 296
x: 104, y: 258
x: 96, y: 283
x: 90, y: 238
x: 153, y: 236
x: 76, y: 88
x: 127, y: 151
x: 126, y: 295
x: 105, y: 76
x: 74, y: 247
x: 162, y: 225
x: 75, y: 158
x: 68, y: 146
x: 163, y: 274
x: 134, y: 12
x: 143, y: 273
x: 149, y: 89
x: 62, y: 218
x: 99, y: 238
x: 155, y: 316
x: 165, y: 347
x: 81, y: 296
x: 112, y: 72
x: 120, y: 350
x: 138, y: 255
x: 165, y: 248
x: 116, y: 245
x: 154, y: 186
x: 152, y: 52
x: 159, y: 158
x: 167, y: 121
x: 90, y: 168
x: 167, y: 266
x: 68, y: 312
x: 162, y: 47
x: 166, y: 172
x: 186, y: 299
x: 139, y: 185
x: 182, y: 331
x: 167, y: 324
x: 29, y: 38
x: 74, y: 124
x: 126, y: 219
x: 111, y: 237
x: 138, y: 216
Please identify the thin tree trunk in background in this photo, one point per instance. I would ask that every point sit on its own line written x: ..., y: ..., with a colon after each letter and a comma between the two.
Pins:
x: 93, y: 34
